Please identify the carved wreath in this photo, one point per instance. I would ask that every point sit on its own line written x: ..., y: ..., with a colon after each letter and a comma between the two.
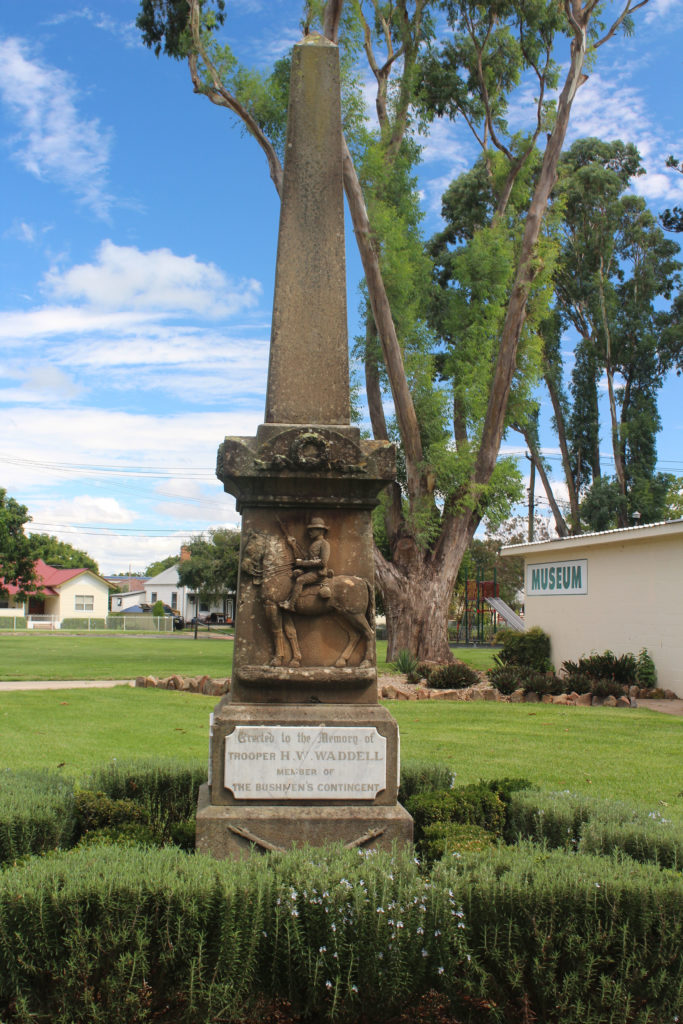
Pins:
x: 309, y: 451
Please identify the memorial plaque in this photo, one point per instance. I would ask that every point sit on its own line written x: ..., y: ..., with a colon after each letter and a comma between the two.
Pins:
x: 305, y: 763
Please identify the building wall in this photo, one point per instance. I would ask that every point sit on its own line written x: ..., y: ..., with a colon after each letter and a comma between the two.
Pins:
x: 634, y: 599
x: 85, y: 585
x: 14, y: 606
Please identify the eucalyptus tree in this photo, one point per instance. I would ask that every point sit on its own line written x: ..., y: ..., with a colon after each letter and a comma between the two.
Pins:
x: 614, y: 269
x: 448, y: 481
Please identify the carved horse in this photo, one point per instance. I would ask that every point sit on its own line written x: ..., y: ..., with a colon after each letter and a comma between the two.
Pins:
x: 270, y: 564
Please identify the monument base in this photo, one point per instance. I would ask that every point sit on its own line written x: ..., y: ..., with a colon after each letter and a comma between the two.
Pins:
x: 237, y: 832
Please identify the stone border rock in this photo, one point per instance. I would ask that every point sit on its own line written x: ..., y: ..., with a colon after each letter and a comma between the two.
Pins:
x: 188, y: 684
x: 396, y: 688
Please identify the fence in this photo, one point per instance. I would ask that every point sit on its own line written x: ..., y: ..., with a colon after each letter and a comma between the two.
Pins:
x: 118, y: 623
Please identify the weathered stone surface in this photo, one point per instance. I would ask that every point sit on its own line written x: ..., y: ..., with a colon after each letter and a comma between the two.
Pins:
x: 610, y: 702
x: 562, y: 698
x: 308, y: 376
x: 547, y: 698
x: 623, y: 702
x: 517, y: 696
x: 304, y: 655
x: 238, y: 831
x: 532, y: 698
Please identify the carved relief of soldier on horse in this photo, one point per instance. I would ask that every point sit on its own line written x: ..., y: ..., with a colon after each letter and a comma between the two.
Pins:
x: 296, y: 580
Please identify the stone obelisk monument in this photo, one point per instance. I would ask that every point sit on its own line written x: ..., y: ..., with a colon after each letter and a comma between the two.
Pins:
x: 300, y: 751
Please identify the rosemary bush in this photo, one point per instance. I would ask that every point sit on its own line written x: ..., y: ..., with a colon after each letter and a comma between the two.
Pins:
x: 36, y: 813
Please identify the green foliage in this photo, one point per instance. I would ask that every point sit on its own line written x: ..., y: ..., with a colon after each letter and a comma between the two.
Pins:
x: 423, y: 776
x: 166, y: 790
x: 16, y: 556
x: 211, y: 569
x: 60, y: 554
x: 164, y: 563
x: 13, y: 622
x: 530, y: 649
x: 508, y: 678
x: 646, y: 672
x: 406, y: 663
x: 585, y: 824
x: 444, y: 839
x: 164, y: 24
x: 542, y: 683
x: 114, y: 933
x: 96, y: 811
x: 83, y: 622
x: 474, y: 804
x: 158, y: 610
x: 452, y: 676
x: 621, y: 669
x: 36, y: 813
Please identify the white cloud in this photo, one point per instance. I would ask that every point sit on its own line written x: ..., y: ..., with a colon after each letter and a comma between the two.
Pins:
x: 54, y: 141
x: 83, y: 508
x: 124, y: 278
x: 45, y: 381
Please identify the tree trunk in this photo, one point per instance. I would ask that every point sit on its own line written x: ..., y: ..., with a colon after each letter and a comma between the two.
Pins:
x: 418, y: 587
x: 574, y: 515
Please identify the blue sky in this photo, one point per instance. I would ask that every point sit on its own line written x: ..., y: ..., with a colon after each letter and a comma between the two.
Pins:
x: 138, y: 235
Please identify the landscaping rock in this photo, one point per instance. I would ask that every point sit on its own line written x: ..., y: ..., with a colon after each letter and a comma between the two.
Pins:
x: 623, y: 702
x: 531, y: 698
x: 585, y: 700
x: 597, y: 702
x: 547, y: 698
x: 489, y: 693
x: 610, y: 702
x: 562, y: 698
x: 452, y: 695
x: 517, y: 696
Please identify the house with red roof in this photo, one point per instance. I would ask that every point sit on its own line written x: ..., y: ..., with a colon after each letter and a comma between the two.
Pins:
x: 59, y: 594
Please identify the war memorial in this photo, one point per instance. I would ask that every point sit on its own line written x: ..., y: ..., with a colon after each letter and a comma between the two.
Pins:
x: 301, y: 752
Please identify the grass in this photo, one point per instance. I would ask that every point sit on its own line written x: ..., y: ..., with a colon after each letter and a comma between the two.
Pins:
x: 51, y: 656
x: 112, y: 656
x: 634, y: 756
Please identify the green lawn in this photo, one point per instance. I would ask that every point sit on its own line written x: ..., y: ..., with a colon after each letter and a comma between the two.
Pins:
x: 634, y: 756
x: 120, y: 656
x: 112, y: 655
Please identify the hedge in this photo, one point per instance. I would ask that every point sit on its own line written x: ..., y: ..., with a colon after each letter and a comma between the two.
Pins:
x: 36, y: 813
x: 515, y: 934
x: 574, y: 822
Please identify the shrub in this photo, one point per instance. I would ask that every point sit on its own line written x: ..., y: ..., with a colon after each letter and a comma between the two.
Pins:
x: 620, y: 669
x: 96, y: 811
x: 453, y: 676
x: 577, y: 682
x: 405, y: 662
x: 443, y: 839
x: 422, y: 776
x: 646, y: 673
x: 167, y: 790
x: 574, y: 822
x: 507, y: 678
x: 83, y: 623
x: 115, y: 934
x: 531, y: 648
x: 11, y: 622
x: 607, y: 688
x: 543, y: 683
x: 474, y: 804
x: 36, y: 813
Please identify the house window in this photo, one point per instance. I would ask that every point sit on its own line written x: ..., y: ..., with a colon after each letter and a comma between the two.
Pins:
x: 153, y: 597
x: 174, y: 600
x: 4, y: 602
x: 84, y: 603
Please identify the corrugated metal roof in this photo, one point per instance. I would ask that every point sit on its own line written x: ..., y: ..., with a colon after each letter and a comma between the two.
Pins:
x: 578, y: 538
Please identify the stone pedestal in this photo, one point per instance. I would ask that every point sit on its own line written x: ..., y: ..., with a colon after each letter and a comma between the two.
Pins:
x: 300, y: 751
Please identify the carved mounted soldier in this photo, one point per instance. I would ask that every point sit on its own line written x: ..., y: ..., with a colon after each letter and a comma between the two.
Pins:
x: 312, y: 568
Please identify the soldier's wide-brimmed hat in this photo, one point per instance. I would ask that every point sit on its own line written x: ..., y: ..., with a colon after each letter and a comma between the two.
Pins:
x: 316, y: 523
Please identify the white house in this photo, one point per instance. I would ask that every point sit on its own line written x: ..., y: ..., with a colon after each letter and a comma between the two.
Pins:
x: 165, y: 587
x: 59, y: 594
x: 618, y: 590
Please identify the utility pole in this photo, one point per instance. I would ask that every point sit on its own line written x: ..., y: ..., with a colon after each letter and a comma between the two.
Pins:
x: 532, y: 488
